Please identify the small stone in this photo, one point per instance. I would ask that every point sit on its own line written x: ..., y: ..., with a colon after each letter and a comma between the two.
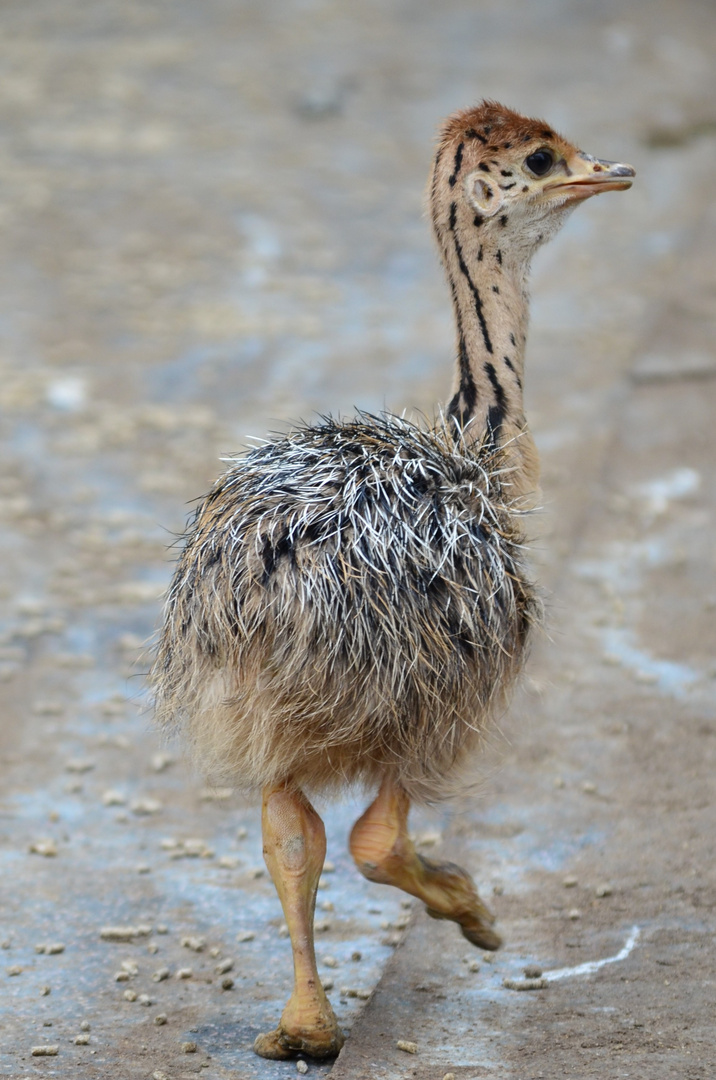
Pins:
x: 119, y: 933
x: 242, y: 833
x: 162, y: 929
x: 322, y: 926
x: 533, y: 971
x: 256, y: 872
x: 160, y: 1019
x: 227, y: 983
x: 14, y: 970
x: 283, y: 930
x: 79, y: 765
x: 328, y: 867
x: 228, y: 862
x: 391, y: 939
x: 449, y: 1076
x: 327, y: 905
x: 570, y: 882
x: 43, y: 847
x: 473, y: 966
x: 603, y: 890
x: 82, y: 1040
x: 130, y: 995
x: 213, y: 953
x: 184, y: 973
x: 161, y: 974
x: 224, y: 966
x: 45, y: 1051
x: 301, y: 1067
x: 130, y: 966
x: 196, y: 944
x: 589, y: 788
x: 145, y: 807
x: 356, y: 956
x: 45, y: 991
x: 524, y: 984
x: 247, y: 935
x: 122, y: 976
x: 488, y: 957
x: 152, y: 948
x: 158, y: 1075
x: 329, y: 962
x: 189, y: 1048
x: 574, y: 914
x: 144, y: 869
x: 85, y: 1025
x: 498, y: 890
x: 407, y: 1046
x: 160, y: 762
x: 144, y: 999
x: 114, y: 798
x: 327, y: 983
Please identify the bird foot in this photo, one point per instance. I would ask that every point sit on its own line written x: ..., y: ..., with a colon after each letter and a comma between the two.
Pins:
x: 281, y: 1045
x: 462, y: 904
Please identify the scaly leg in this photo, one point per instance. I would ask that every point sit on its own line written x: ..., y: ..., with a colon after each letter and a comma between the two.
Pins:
x: 383, y: 852
x: 294, y: 850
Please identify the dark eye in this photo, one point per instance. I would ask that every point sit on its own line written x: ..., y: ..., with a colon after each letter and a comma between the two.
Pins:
x: 540, y: 162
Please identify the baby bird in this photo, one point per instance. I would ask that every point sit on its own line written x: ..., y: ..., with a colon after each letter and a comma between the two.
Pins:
x: 352, y: 603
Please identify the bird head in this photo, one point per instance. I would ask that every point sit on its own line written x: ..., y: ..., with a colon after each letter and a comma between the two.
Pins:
x: 512, y: 175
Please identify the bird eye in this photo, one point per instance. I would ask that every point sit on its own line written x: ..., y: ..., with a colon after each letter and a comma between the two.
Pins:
x: 540, y: 162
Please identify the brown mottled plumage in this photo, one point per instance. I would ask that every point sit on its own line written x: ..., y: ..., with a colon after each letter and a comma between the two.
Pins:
x: 351, y: 604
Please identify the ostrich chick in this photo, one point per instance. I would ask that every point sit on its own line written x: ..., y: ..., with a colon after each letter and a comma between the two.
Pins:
x: 352, y: 604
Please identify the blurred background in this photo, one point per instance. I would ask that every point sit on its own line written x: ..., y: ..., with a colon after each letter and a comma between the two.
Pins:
x: 212, y: 224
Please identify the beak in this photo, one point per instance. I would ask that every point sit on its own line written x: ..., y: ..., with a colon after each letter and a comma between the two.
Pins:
x: 589, y: 176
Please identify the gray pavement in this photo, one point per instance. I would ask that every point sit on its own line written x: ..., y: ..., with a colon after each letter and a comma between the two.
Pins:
x: 212, y: 224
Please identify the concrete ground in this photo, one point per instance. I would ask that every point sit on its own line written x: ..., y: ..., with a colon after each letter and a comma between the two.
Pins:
x: 212, y: 224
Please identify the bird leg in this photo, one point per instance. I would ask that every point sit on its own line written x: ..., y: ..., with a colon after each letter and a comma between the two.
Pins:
x: 294, y: 849
x: 383, y: 852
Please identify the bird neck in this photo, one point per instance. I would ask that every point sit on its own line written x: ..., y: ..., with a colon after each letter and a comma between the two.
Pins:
x: 489, y: 292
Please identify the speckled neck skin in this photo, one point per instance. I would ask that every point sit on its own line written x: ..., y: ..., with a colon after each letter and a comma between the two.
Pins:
x: 490, y: 214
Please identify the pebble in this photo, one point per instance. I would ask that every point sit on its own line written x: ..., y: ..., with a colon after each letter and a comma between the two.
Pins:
x: 122, y: 976
x: 114, y: 798
x: 228, y: 862
x: 473, y: 966
x: 144, y: 869
x: 242, y: 833
x: 603, y: 890
x: 488, y: 957
x: 227, y: 983
x: 160, y: 1019
x: 356, y: 956
x: 80, y: 765
x: 589, y: 788
x: 160, y: 762
x: 327, y: 983
x: 196, y: 944
x: 351, y: 992
x: 130, y: 995
x: 524, y: 984
x: 158, y: 1075
x: 329, y: 961
x: 145, y: 807
x: 53, y: 949
x: 45, y: 1051
x: 85, y: 1025
x: 161, y: 974
x: 247, y: 935
x: 533, y: 971
x: 14, y: 970
x: 570, y: 882
x: 407, y: 1046
x: 184, y: 973
x: 224, y: 966
x: 43, y: 847
x: 130, y: 966
x: 45, y: 991
x: 189, y: 1048
x: 213, y: 953
x: 301, y: 1067
x: 82, y: 1040
x: 449, y: 1076
x: 124, y: 933
x: 144, y: 999
x: 574, y: 914
x: 328, y: 867
x: 162, y: 929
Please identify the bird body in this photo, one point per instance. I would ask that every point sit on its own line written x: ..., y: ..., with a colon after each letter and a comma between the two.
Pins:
x: 351, y: 599
x: 351, y: 604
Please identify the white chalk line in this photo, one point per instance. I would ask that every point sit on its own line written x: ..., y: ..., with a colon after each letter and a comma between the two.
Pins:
x: 594, y: 965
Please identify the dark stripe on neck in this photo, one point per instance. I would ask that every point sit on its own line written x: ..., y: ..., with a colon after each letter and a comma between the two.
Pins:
x: 466, y: 274
x: 457, y: 164
x: 496, y: 412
